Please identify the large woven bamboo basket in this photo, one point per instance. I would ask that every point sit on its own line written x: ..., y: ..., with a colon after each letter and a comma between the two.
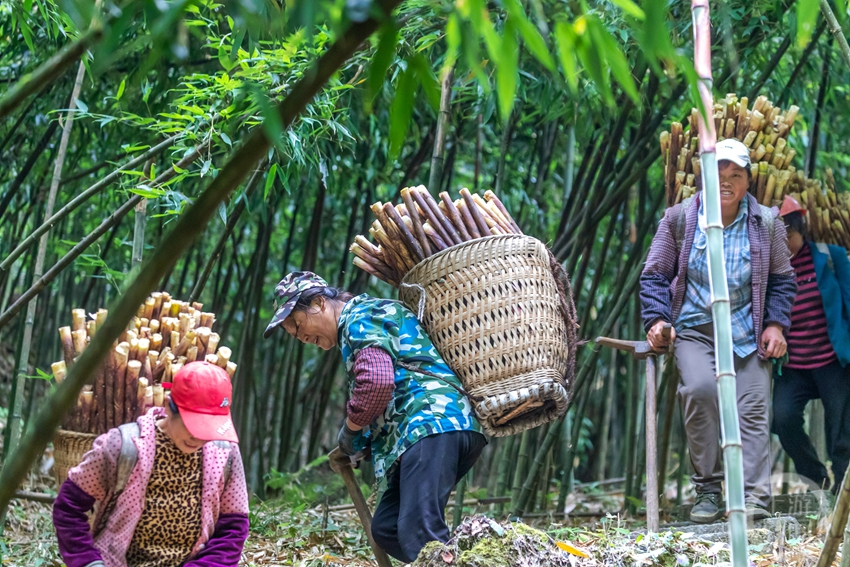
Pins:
x: 493, y: 310
x: 68, y: 450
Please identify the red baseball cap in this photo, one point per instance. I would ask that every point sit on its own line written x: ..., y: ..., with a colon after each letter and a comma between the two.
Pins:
x: 203, y: 394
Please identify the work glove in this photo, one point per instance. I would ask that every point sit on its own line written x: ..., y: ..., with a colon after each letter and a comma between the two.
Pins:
x: 346, y: 439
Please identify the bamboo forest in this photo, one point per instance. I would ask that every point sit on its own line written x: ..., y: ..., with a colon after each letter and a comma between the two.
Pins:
x: 558, y: 282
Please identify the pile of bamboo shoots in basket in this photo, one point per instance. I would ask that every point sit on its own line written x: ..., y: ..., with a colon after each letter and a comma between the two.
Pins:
x: 827, y: 212
x: 417, y: 228
x: 164, y: 335
x: 763, y: 129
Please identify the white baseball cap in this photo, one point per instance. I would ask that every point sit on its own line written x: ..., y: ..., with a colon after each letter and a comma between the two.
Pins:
x: 732, y: 150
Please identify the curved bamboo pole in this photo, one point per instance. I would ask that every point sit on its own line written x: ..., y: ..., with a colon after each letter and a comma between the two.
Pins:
x: 80, y: 199
x: 13, y: 432
x: 178, y: 240
x: 835, y: 29
x: 733, y: 457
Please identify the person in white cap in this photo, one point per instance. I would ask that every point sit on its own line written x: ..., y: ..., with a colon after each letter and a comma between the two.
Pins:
x: 675, y: 290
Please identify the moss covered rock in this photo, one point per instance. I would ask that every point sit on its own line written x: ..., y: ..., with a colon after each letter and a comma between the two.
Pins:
x: 482, y: 542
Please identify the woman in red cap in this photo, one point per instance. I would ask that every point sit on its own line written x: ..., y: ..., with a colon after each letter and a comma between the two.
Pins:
x: 167, y: 490
x: 818, y: 364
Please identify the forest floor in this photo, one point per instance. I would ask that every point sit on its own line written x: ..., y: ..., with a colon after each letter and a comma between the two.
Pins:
x: 327, y: 536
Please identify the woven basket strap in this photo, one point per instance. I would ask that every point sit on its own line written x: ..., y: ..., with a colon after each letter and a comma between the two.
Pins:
x: 419, y: 370
x: 420, y: 305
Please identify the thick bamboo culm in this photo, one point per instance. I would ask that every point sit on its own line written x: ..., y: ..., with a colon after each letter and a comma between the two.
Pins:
x: 419, y: 227
x: 165, y: 334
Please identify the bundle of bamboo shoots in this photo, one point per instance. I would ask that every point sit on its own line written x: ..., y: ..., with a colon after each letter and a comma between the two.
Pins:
x: 164, y: 335
x: 763, y: 129
x: 827, y: 212
x: 419, y: 227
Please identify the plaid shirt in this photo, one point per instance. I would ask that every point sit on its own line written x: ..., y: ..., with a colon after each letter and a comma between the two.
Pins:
x: 696, y: 309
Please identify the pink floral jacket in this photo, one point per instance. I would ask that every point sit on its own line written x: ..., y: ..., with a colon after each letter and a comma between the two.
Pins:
x: 224, y: 509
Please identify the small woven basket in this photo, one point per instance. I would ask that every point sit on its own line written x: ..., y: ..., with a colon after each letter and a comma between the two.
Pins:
x: 495, y: 312
x: 68, y: 450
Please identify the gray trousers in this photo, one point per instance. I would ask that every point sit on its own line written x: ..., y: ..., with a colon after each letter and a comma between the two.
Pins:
x: 698, y: 396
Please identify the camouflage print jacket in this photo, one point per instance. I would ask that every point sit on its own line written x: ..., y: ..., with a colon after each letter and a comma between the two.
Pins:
x: 422, y: 405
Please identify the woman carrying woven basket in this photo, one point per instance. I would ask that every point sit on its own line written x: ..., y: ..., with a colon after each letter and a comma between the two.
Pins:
x: 675, y: 290
x: 404, y: 401
x: 167, y: 491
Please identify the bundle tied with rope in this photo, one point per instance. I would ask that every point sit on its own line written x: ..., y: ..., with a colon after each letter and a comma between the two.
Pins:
x: 495, y: 302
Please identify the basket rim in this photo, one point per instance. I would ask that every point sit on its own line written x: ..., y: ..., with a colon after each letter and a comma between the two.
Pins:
x: 455, y: 247
x: 67, y: 433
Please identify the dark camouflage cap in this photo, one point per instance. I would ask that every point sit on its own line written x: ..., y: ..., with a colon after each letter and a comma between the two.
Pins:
x: 286, y: 294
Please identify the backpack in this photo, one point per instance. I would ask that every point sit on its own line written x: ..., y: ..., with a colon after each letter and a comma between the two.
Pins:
x: 766, y: 214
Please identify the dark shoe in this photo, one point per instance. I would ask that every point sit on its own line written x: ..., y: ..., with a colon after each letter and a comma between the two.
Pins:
x: 756, y: 512
x: 707, y: 508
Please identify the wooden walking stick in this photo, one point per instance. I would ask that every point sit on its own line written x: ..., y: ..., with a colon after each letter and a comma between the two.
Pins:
x: 344, y: 465
x: 640, y: 350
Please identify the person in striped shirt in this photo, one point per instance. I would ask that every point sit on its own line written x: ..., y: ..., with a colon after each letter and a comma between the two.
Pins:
x: 818, y: 352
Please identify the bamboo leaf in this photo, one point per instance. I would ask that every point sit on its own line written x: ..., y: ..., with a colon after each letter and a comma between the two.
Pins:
x: 226, y: 139
x: 532, y: 38
x: 608, y: 46
x: 382, y: 58
x: 590, y: 60
x: 81, y: 105
x: 120, y: 92
x: 565, y: 38
x: 269, y: 181
x: 570, y: 549
x: 427, y: 79
x: 506, y: 71
x: 654, y: 38
x: 401, y: 110
x: 807, y: 15
x: 237, y: 43
x: 271, y: 119
x: 478, y: 15
x: 630, y: 8
x: 453, y: 40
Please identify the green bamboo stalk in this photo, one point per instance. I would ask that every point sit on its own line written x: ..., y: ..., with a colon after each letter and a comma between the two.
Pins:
x: 438, y: 156
x: 839, y: 523
x: 504, y: 469
x: 80, y: 199
x: 141, y: 210
x: 720, y: 306
x: 565, y: 472
x: 178, y: 240
x: 519, y: 470
x: 228, y: 229
x: 92, y: 237
x: 48, y: 71
x: 13, y: 432
x: 836, y: 30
